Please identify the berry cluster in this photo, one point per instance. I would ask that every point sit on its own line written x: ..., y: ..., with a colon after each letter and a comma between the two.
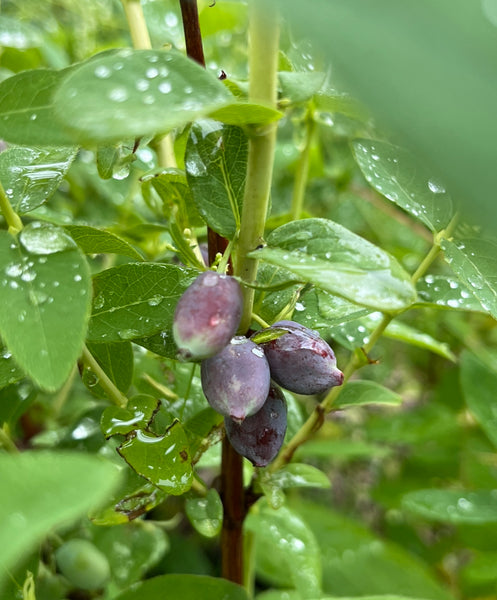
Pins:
x: 240, y: 378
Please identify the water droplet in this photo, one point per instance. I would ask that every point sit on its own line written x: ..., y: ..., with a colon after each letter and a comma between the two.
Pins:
x: 258, y: 352
x: 102, y: 72
x: 33, y: 117
x: 118, y: 94
x: 77, y: 278
x: 152, y: 72
x: 28, y: 276
x: 44, y: 238
x: 142, y: 85
x: 14, y: 270
x: 436, y: 187
x: 476, y: 281
x: 149, y: 99
x: 127, y: 334
x: 155, y: 300
x: 165, y: 87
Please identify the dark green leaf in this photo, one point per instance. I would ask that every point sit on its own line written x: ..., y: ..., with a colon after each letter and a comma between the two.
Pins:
x: 41, y: 490
x: 135, y: 300
x: 360, y: 393
x: 445, y: 292
x: 9, y: 371
x: 31, y: 176
x: 45, y: 293
x: 187, y: 587
x: 215, y: 162
x: 98, y: 241
x: 206, y: 514
x: 395, y: 174
x: 27, y: 109
x: 474, y: 261
x: 137, y: 415
x: 116, y: 361
x: 453, y: 506
x: 163, y: 460
x: 336, y: 260
x: 134, y: 93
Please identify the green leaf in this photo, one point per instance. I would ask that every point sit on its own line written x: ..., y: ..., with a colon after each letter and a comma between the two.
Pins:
x: 321, y: 310
x: 135, y: 300
x: 215, y: 161
x: 116, y: 361
x: 27, y: 110
x: 41, y: 490
x: 360, y: 393
x: 329, y: 100
x: 397, y: 330
x: 336, y: 260
x: 284, y: 543
x: 98, y: 241
x: 299, y: 86
x: 453, y: 506
x: 133, y: 93
x: 31, y: 176
x: 474, y: 261
x: 244, y: 113
x: 45, y: 295
x: 114, y: 160
x: 206, y: 514
x: 332, y: 449
x: 396, y: 174
x: 445, y: 292
x: 163, y: 460
x: 296, y: 475
x: 138, y: 414
x: 347, y: 548
x: 9, y: 371
x: 18, y: 34
x: 184, y: 586
x: 147, y: 541
x: 479, y: 383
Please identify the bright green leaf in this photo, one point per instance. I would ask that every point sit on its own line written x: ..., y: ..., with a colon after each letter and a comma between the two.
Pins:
x: 360, y: 393
x: 133, y: 93
x: 206, y: 514
x: 336, y: 260
x: 453, y: 506
x: 98, y: 241
x: 163, y: 460
x: 395, y: 174
x: 45, y: 292
x: 243, y: 114
x: 215, y: 163
x: 137, y: 415
x: 135, y: 300
x: 474, y: 261
x: 187, y: 587
x: 41, y: 490
x: 286, y: 544
x: 445, y: 292
x: 31, y: 176
x: 397, y: 330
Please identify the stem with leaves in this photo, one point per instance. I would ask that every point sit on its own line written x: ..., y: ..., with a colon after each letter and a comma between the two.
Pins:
x: 108, y: 386
x: 13, y: 220
x: 356, y: 361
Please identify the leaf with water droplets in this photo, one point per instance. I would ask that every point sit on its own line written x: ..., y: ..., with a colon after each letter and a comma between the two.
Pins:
x: 137, y: 415
x: 453, y: 506
x: 331, y: 257
x: 205, y: 514
x: 216, y: 162
x: 474, y: 261
x: 445, y: 292
x: 98, y: 241
x: 136, y: 300
x: 45, y: 298
x: 9, y: 371
x: 396, y: 174
x: 363, y: 392
x: 295, y: 475
x: 134, y: 93
x: 31, y: 176
x: 285, y: 544
x: 479, y: 383
x: 26, y: 109
x: 164, y: 460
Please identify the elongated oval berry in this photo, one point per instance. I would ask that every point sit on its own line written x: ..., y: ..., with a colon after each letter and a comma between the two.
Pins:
x: 301, y: 361
x: 236, y: 381
x: 260, y: 436
x: 207, y: 315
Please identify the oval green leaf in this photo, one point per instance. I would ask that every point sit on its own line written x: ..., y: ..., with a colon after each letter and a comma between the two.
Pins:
x: 446, y: 292
x: 98, y: 241
x: 205, y: 514
x: 361, y: 393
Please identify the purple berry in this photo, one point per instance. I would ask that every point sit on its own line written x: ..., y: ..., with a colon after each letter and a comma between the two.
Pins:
x: 236, y: 381
x: 260, y: 436
x: 301, y: 361
x: 207, y: 315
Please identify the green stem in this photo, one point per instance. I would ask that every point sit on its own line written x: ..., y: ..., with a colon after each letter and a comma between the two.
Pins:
x: 13, y: 220
x: 6, y: 441
x: 110, y: 389
x: 140, y: 37
x: 316, y: 418
x: 302, y: 172
x: 263, y: 63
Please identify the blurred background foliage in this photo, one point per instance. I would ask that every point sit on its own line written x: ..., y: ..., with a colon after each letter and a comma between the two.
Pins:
x: 427, y: 74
